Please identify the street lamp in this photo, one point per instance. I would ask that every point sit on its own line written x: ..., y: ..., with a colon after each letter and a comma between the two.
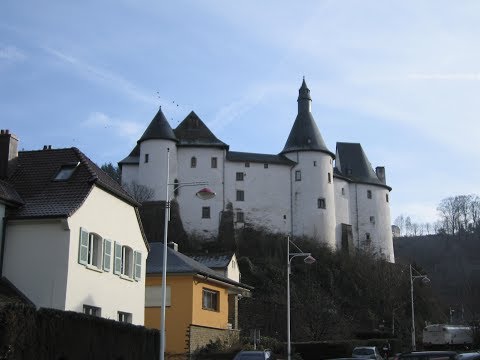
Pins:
x: 307, y: 259
x: 425, y: 280
x: 203, y: 194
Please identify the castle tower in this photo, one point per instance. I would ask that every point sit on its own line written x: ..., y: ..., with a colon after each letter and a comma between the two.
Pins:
x: 312, y: 191
x: 150, y: 155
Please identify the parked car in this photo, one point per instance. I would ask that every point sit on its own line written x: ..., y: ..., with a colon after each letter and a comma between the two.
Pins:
x: 254, y: 355
x: 366, y: 352
x: 469, y: 356
x: 427, y: 355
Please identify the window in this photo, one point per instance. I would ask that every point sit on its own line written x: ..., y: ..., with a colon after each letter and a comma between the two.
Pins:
x: 367, y: 237
x: 210, y: 300
x: 329, y: 178
x: 92, y: 310
x: 127, y: 262
x: 240, y: 176
x: 124, y: 317
x: 369, y: 194
x: 386, y: 197
x: 214, y: 162
x: 146, y: 158
x: 93, y: 250
x: 298, y: 175
x: 153, y: 296
x: 240, y: 195
x: 193, y: 162
x: 240, y: 217
x: 372, y: 219
x: 66, y: 172
x: 349, y: 171
x: 265, y: 166
x: 247, y: 164
x: 206, y: 212
x: 314, y: 163
x: 321, y: 204
x: 343, y: 191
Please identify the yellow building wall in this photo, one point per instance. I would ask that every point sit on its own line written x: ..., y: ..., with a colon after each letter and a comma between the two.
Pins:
x: 186, y: 309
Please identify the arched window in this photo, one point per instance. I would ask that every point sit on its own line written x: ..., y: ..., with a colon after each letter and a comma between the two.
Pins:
x: 193, y: 162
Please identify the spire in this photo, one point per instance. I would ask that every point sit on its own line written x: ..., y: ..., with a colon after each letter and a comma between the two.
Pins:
x: 305, y: 135
x: 159, y: 128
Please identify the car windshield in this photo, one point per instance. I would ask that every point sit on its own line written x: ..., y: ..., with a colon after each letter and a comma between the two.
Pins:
x: 363, y: 351
x: 251, y: 357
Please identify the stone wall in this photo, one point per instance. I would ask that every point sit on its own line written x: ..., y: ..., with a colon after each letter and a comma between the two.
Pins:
x: 201, y: 335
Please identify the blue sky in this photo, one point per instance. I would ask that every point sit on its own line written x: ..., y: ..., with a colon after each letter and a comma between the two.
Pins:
x: 400, y: 77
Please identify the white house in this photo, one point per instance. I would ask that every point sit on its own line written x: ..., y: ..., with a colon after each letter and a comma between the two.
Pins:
x: 304, y: 190
x: 73, y: 240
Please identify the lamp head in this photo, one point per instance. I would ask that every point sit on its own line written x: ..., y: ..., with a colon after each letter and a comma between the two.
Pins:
x: 426, y: 280
x: 309, y: 260
x: 205, y: 194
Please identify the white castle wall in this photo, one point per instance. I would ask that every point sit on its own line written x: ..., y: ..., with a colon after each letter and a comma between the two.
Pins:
x: 267, y: 193
x: 342, y: 207
x: 129, y: 173
x: 308, y: 219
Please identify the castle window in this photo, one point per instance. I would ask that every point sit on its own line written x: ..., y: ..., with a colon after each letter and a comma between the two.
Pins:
x: 368, y: 237
x: 124, y: 317
x: 343, y: 191
x: 247, y: 164
x: 92, y: 310
x: 314, y: 163
x: 372, y: 219
x: 240, y: 217
x: 193, y: 162
x: 240, y: 195
x: 214, y: 162
x: 265, y: 166
x: 369, y: 194
x: 386, y: 197
x: 329, y: 178
x: 321, y: 204
x: 298, y: 175
x: 239, y: 176
x: 146, y: 158
x: 206, y: 212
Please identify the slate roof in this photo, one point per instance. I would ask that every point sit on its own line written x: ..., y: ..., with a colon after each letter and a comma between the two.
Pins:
x: 259, y: 158
x: 178, y: 263
x: 9, y: 294
x: 192, y: 131
x: 352, y: 163
x: 133, y: 157
x: 159, y: 128
x: 43, y: 197
x: 305, y: 135
x: 9, y: 195
x: 213, y: 261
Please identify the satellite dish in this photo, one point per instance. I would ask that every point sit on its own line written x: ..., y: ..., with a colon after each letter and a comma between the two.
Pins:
x: 205, y: 194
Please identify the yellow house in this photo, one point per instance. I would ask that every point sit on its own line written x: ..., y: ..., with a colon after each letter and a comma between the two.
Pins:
x: 202, y: 305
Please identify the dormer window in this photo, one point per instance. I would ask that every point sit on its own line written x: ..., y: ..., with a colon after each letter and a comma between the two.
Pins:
x: 66, y: 171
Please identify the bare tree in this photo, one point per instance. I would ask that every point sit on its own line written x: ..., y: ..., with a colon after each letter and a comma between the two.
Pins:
x: 408, y: 226
x: 139, y: 192
x: 449, y: 211
x: 400, y: 222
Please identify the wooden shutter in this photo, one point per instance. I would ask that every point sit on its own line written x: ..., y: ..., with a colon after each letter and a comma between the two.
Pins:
x: 83, y: 247
x: 107, y: 254
x: 138, y: 265
x: 117, y: 266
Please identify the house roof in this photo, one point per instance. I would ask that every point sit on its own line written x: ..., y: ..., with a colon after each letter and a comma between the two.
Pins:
x: 259, y: 158
x: 192, y: 131
x: 352, y: 163
x: 9, y: 294
x: 178, y: 263
x: 214, y: 261
x: 33, y: 179
x: 305, y: 135
x: 133, y: 157
x: 159, y: 128
x: 9, y: 195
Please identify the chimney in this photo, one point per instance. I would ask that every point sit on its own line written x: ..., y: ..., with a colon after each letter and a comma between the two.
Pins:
x: 173, y: 245
x: 380, y: 170
x: 8, y: 151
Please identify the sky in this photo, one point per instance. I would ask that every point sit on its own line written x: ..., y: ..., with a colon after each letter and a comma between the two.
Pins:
x: 400, y: 77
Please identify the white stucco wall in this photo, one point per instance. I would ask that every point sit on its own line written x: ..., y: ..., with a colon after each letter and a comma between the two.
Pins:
x: 129, y: 173
x: 267, y: 194
x: 308, y: 219
x: 342, y: 208
x: 113, y: 219
x: 36, y: 260
x: 190, y: 205
x: 362, y: 209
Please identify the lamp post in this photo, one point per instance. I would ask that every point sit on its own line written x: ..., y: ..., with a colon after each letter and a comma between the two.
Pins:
x: 203, y: 194
x: 425, y: 280
x: 308, y: 259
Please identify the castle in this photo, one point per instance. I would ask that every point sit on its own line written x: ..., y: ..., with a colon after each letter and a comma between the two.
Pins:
x: 306, y: 190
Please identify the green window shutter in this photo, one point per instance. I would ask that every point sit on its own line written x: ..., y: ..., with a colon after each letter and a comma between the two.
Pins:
x: 107, y: 254
x: 83, y: 247
x: 117, y: 265
x: 138, y: 265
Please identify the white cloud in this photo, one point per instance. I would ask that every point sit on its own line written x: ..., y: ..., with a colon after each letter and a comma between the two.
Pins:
x: 127, y: 129
x: 11, y: 53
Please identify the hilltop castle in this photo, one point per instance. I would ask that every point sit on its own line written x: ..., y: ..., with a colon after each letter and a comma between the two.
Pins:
x: 305, y: 190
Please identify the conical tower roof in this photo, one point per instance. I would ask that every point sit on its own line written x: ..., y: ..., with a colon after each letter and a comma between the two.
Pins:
x: 192, y: 131
x: 159, y: 128
x: 305, y: 135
